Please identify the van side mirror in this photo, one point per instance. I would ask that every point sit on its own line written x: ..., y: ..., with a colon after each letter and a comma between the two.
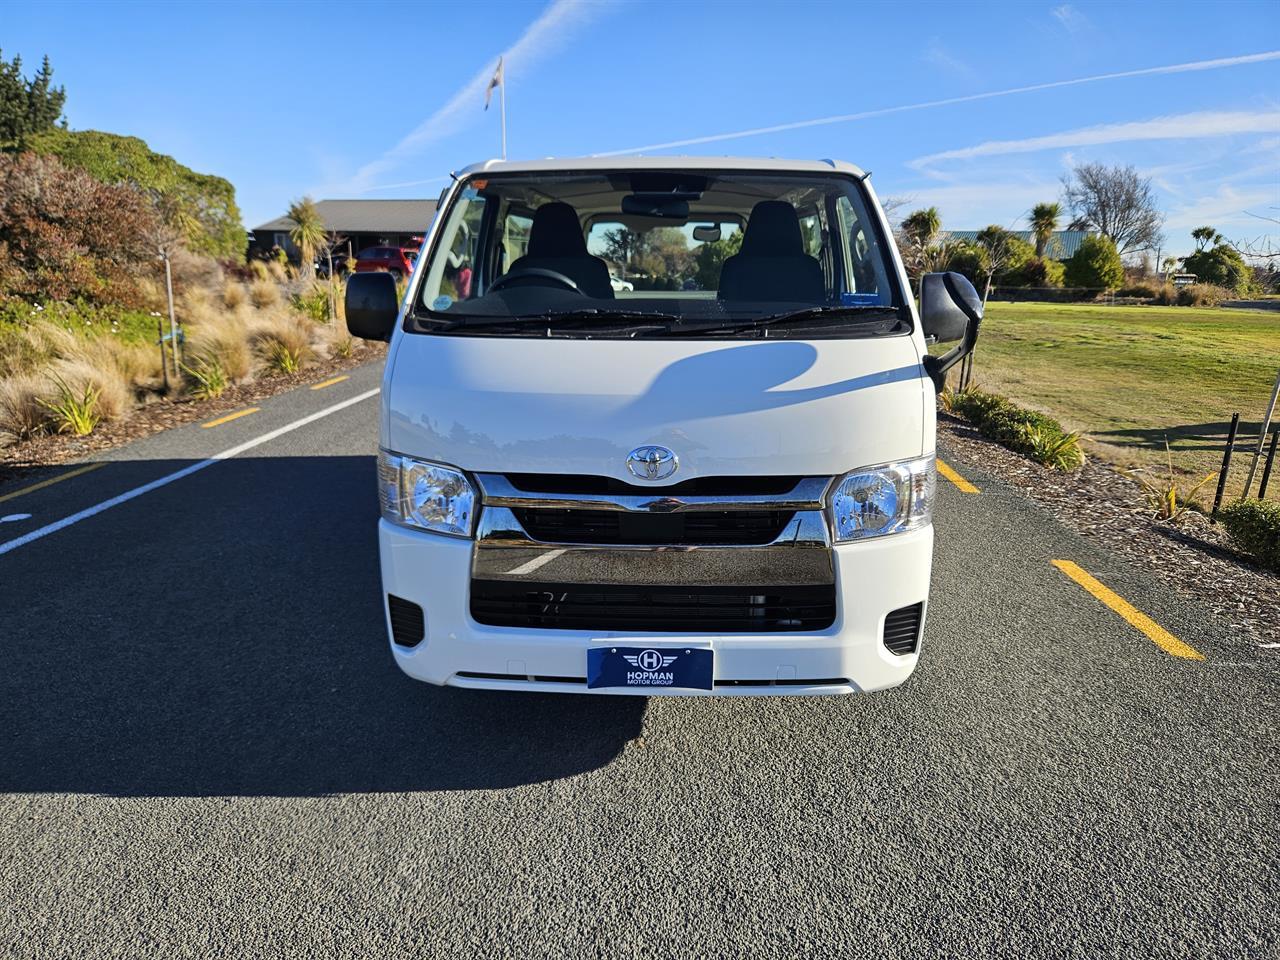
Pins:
x: 372, y: 304
x: 950, y: 310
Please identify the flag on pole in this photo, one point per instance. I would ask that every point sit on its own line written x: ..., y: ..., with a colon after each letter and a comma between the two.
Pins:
x: 497, y: 81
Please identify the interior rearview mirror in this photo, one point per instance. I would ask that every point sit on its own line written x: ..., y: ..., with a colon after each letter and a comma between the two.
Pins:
x: 950, y: 311
x: 655, y: 205
x: 372, y: 304
x: 707, y: 232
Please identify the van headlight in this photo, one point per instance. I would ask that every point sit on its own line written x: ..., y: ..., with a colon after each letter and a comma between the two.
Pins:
x: 429, y: 496
x: 876, y: 501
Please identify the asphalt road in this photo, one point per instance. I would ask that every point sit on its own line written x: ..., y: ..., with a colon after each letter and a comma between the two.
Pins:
x: 206, y: 749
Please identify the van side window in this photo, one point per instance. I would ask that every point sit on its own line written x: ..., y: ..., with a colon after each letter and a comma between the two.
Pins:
x: 863, y: 262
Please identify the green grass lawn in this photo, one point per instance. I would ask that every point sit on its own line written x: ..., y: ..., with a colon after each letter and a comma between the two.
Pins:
x: 1131, y: 376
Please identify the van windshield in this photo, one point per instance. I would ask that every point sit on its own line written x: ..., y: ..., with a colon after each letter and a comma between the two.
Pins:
x: 659, y: 253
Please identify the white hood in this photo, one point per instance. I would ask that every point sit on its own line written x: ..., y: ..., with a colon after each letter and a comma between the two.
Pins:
x: 783, y: 407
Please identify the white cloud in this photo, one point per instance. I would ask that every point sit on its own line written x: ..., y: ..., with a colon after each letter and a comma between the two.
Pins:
x: 939, y: 56
x: 1225, y: 207
x: 1071, y: 18
x: 951, y: 101
x: 550, y: 32
x: 1185, y: 126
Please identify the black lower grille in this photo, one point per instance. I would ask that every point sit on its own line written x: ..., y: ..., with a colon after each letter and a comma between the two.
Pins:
x: 575, y: 606
x: 408, y: 623
x: 902, y: 629
x: 692, y: 528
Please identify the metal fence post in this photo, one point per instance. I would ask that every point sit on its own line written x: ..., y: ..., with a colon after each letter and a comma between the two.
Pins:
x: 1271, y: 459
x: 1262, y: 435
x: 1226, y: 465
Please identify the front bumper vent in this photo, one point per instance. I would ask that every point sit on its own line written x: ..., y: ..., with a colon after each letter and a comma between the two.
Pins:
x: 683, y: 608
x: 902, y: 629
x: 408, y: 622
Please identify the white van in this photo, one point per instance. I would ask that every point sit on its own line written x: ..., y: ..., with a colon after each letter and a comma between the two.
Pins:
x: 718, y: 483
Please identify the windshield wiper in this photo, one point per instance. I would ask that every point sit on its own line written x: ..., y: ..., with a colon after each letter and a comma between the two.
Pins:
x: 862, y: 313
x: 554, y: 319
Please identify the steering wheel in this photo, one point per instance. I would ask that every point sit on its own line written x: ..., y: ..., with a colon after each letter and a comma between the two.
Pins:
x: 524, y: 273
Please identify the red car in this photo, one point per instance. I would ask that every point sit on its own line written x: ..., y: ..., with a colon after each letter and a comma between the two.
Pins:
x: 397, y: 261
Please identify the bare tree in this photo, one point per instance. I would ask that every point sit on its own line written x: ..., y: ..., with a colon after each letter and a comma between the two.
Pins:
x: 1116, y: 202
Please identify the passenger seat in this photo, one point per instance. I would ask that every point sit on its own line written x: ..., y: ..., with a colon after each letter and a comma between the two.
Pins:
x: 772, y: 265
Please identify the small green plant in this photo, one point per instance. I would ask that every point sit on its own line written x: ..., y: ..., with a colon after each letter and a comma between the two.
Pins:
x: 283, y: 359
x: 1057, y: 450
x: 1164, y: 496
x: 210, y: 379
x: 1254, y: 527
x: 75, y: 413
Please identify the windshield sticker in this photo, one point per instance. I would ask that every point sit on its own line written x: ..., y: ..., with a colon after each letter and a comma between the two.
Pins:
x: 470, y: 193
x: 859, y: 299
x: 442, y: 302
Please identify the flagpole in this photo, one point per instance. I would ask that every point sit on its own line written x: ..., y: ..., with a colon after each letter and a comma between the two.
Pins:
x: 502, y: 90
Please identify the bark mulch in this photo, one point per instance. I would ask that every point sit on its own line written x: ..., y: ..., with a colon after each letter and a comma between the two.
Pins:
x: 161, y: 413
x: 1195, y: 556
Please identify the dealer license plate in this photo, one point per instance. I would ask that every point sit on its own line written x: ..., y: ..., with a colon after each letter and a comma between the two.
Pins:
x: 649, y: 668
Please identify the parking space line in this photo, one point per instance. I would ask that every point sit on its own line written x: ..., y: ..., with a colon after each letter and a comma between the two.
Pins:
x: 184, y: 472
x: 963, y: 485
x: 229, y: 417
x: 52, y: 480
x: 329, y: 383
x: 1158, y: 635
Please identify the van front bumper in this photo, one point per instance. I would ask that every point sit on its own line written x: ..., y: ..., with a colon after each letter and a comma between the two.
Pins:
x: 873, y: 578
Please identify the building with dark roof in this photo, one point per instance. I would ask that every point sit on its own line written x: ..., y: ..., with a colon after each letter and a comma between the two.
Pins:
x: 1062, y: 244
x: 361, y: 224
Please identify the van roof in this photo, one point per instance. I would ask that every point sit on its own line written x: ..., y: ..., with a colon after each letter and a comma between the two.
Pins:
x: 561, y: 164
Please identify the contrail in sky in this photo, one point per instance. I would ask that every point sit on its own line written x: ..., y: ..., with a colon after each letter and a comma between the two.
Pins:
x: 929, y: 104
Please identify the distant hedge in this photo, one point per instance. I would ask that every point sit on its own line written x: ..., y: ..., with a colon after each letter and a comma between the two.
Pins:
x: 202, y: 206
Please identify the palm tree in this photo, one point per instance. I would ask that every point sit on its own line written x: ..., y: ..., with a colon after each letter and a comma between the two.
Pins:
x: 308, y: 233
x: 1044, y: 220
x: 922, y: 226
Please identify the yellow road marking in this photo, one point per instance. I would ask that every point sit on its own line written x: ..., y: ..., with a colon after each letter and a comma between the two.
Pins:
x: 961, y: 483
x: 229, y: 417
x: 52, y: 480
x: 329, y: 383
x: 1161, y: 637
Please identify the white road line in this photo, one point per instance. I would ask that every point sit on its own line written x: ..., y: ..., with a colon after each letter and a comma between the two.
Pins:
x: 534, y: 564
x: 179, y: 474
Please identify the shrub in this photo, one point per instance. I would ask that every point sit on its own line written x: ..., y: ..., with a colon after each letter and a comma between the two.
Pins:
x: 23, y: 412
x: 1028, y: 432
x: 202, y: 207
x: 1165, y: 497
x: 74, y: 411
x: 264, y: 294
x: 1095, y: 264
x: 1056, y: 450
x: 234, y: 296
x: 1254, y: 527
x: 972, y: 260
x: 1034, y: 272
x: 1202, y: 295
x: 283, y: 341
x: 1222, y: 266
x: 210, y: 379
x: 1145, y: 289
x: 65, y: 236
x: 221, y: 340
x: 98, y: 373
x: 314, y: 303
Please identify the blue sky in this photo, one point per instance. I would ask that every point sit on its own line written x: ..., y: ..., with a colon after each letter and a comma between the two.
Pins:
x: 382, y: 100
